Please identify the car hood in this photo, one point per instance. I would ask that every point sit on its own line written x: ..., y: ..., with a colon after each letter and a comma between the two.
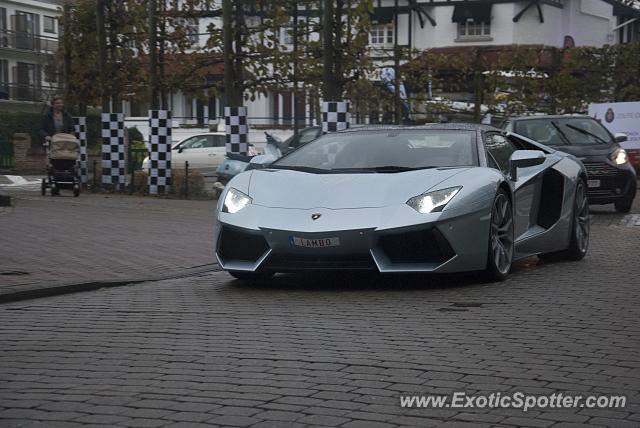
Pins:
x: 302, y: 190
x: 588, y: 150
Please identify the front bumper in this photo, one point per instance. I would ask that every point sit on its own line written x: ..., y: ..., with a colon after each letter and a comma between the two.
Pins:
x: 614, y: 182
x: 262, y: 239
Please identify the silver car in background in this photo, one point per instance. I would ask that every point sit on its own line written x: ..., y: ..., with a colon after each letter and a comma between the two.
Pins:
x: 436, y: 198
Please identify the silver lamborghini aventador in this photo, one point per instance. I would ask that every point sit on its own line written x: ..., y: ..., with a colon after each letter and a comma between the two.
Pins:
x: 435, y: 198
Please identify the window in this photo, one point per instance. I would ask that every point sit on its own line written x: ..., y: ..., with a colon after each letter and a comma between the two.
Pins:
x: 286, y: 36
x: 473, y: 29
x: 364, y: 151
x: 4, y: 77
x: 50, y: 73
x: 500, y: 149
x: 381, y: 34
x: 49, y: 24
x: 3, y: 19
x: 198, y: 142
x: 563, y: 131
x: 286, y: 33
x: 217, y: 140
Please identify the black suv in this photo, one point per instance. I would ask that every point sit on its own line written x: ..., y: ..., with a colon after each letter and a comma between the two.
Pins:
x: 611, y: 178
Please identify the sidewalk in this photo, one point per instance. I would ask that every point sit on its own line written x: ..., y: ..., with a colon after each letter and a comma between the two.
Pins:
x: 96, y: 240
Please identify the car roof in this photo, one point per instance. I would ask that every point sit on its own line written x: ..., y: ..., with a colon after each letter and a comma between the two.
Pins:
x: 427, y: 126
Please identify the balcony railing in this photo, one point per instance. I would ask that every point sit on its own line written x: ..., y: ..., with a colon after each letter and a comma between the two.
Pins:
x: 26, y: 92
x: 27, y: 42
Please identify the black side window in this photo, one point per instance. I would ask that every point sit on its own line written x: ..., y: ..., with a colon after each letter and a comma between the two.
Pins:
x: 500, y: 149
x: 217, y: 140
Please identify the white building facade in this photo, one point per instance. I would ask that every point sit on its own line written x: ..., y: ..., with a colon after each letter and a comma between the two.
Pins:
x: 29, y: 33
x: 430, y: 24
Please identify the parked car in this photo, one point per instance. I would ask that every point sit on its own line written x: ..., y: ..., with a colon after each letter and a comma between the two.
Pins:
x: 611, y: 177
x: 435, y: 198
x: 203, y: 151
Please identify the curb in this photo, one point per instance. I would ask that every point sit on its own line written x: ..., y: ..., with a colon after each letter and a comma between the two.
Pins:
x: 92, y: 286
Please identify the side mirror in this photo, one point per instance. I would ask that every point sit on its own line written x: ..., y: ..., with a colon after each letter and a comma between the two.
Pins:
x: 524, y: 159
x: 620, y: 137
x: 180, y: 149
x: 261, y: 161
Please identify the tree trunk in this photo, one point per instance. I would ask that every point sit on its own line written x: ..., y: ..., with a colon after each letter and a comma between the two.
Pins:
x: 102, y: 54
x: 329, y: 88
x: 153, y: 56
x: 227, y: 28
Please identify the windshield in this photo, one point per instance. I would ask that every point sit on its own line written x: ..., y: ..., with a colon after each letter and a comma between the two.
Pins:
x: 384, y: 151
x: 564, y: 131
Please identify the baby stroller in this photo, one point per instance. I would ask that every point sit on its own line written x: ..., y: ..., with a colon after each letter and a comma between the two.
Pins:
x: 63, y: 152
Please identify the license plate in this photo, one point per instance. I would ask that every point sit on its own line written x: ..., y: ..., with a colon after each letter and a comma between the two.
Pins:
x: 315, y: 242
x: 593, y: 183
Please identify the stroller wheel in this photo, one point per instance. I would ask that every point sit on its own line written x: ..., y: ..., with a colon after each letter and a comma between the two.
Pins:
x: 76, y: 190
x: 43, y: 187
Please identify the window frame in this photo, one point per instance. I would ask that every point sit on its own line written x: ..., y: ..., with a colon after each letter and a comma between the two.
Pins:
x: 45, y: 18
x: 381, y: 34
x: 463, y: 30
x: 490, y: 156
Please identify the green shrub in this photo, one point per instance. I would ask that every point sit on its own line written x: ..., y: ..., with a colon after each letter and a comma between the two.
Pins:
x: 135, y: 137
x: 11, y: 123
x: 196, y: 185
x: 24, y: 122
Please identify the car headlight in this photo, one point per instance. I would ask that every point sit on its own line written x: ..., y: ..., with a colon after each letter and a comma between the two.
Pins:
x: 619, y: 156
x: 433, y: 201
x: 234, y: 201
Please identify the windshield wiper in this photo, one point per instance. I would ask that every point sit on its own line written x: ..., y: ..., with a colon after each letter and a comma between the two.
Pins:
x: 565, y: 140
x: 382, y: 169
x: 585, y: 132
x: 301, y: 169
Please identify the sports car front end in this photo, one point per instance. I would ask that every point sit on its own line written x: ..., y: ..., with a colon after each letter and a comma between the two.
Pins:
x: 431, y: 220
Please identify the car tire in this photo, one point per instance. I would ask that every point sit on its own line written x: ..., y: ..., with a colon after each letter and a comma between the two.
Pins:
x: 251, y: 276
x: 623, y: 205
x: 580, y: 227
x: 501, y: 242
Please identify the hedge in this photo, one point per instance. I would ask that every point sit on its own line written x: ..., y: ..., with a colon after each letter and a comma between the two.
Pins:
x: 14, y: 122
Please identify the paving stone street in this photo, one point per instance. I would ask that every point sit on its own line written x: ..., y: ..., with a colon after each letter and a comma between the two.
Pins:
x: 201, y: 349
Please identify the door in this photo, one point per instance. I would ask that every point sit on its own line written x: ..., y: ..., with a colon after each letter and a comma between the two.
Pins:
x: 217, y: 151
x: 193, y: 150
x: 527, y: 188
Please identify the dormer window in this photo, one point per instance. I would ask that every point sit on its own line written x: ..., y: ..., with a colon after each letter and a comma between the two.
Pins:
x: 474, y: 21
x: 471, y: 29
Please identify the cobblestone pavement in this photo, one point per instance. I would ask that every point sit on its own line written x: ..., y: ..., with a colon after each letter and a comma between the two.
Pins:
x: 47, y: 242
x: 330, y: 350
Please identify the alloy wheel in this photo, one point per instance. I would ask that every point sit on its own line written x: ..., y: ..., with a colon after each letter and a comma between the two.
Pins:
x: 501, y: 235
x: 581, y: 218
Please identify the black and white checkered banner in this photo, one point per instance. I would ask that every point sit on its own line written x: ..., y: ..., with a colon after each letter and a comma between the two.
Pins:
x: 80, y: 129
x: 113, y: 174
x: 236, y: 129
x: 335, y: 116
x: 159, y: 151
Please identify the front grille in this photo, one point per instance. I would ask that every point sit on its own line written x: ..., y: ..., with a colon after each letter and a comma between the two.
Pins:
x: 613, y: 181
x: 424, y: 246
x: 599, y: 169
x: 291, y: 262
x: 235, y: 244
